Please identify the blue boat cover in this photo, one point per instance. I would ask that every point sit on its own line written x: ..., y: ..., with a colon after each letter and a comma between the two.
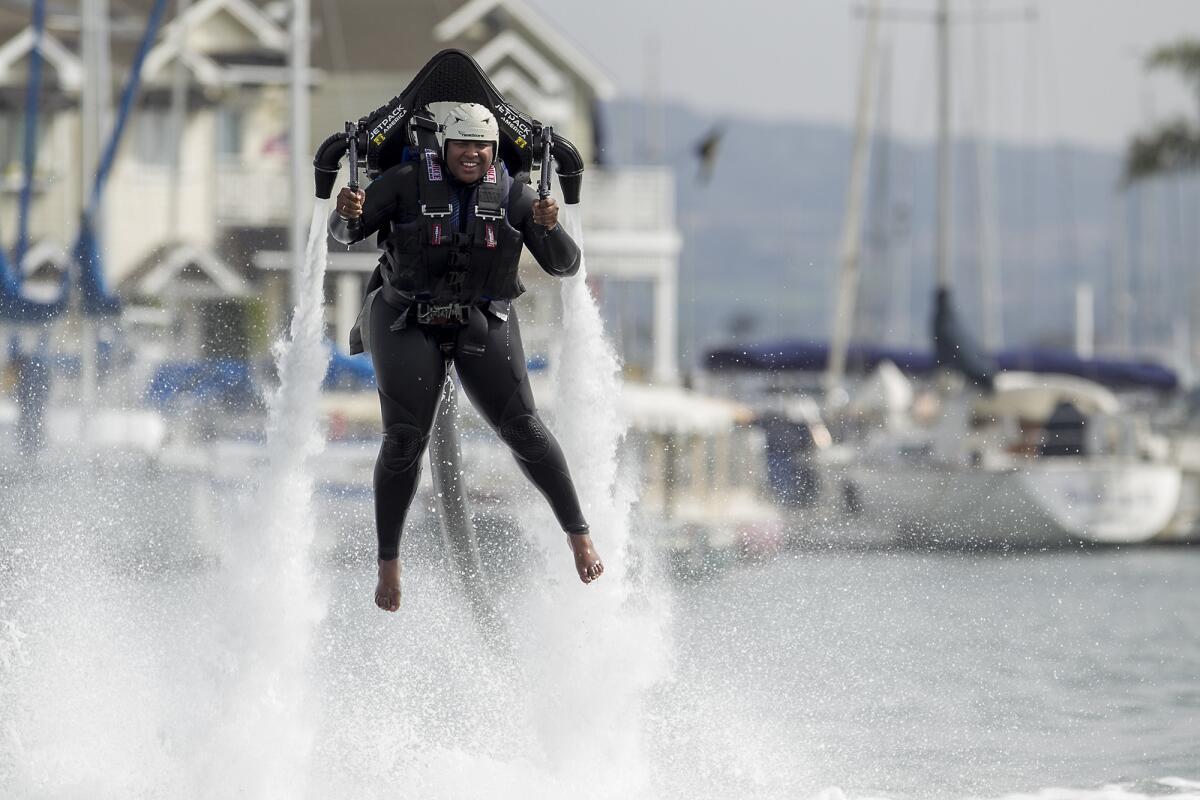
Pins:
x: 808, y: 356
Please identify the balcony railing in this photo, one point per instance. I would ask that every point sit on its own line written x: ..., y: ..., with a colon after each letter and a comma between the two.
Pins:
x: 251, y: 196
x: 629, y: 199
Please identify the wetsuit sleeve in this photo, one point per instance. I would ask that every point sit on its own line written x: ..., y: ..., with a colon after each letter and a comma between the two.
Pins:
x: 554, y: 249
x: 383, y: 198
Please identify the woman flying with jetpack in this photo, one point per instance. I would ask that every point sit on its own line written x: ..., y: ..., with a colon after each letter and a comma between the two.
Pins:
x: 451, y: 222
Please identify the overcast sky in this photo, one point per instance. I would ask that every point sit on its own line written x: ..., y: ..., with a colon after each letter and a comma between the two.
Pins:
x: 1079, y: 60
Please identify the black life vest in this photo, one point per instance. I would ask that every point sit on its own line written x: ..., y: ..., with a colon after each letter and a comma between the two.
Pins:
x: 426, y: 259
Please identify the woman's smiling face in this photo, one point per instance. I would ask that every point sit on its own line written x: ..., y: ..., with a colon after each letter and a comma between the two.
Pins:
x: 469, y: 161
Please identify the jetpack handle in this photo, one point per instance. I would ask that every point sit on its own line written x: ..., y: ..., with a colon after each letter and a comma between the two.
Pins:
x: 547, y: 141
x: 352, y: 130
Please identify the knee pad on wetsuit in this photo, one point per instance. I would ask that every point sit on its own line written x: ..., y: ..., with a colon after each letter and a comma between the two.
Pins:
x: 527, y: 437
x: 402, y: 445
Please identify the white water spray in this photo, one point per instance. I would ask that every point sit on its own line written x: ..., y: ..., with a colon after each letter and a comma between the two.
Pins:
x: 587, y: 385
x: 132, y: 667
x: 273, y: 605
x: 609, y: 642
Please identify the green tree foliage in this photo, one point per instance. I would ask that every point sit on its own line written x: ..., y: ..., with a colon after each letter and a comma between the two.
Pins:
x: 1173, y: 146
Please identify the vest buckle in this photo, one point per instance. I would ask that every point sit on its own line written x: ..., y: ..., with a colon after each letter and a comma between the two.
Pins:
x: 489, y: 213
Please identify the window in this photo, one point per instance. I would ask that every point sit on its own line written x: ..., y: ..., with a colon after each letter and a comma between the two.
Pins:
x: 229, y: 134
x: 11, y: 141
x: 153, y: 137
x: 12, y: 144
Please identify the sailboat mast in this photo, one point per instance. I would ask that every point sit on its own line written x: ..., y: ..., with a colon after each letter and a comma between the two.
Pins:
x: 178, y: 120
x: 943, y: 145
x: 96, y: 98
x: 302, y: 189
x: 991, y: 297
x: 851, y: 244
x: 97, y: 113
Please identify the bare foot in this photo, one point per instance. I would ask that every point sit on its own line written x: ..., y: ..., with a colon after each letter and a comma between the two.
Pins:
x: 387, y: 591
x: 587, y: 560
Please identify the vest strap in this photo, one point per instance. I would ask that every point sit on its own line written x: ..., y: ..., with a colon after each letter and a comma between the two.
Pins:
x: 434, y: 191
x: 488, y: 197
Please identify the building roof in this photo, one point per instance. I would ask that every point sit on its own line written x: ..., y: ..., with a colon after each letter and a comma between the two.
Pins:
x: 185, y: 269
x: 378, y: 35
x: 507, y: 15
x: 61, y: 61
x: 347, y: 36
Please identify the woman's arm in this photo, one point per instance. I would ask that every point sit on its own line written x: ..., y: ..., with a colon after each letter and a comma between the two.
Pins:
x: 553, y: 249
x: 377, y: 207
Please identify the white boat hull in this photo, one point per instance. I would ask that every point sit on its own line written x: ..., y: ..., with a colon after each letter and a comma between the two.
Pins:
x: 1043, y: 503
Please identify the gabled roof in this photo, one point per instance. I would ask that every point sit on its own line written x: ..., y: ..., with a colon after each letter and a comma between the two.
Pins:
x: 510, y: 44
x: 42, y: 258
x: 167, y: 264
x: 266, y: 34
x: 517, y: 88
x: 473, y: 11
x: 66, y: 65
x: 377, y: 36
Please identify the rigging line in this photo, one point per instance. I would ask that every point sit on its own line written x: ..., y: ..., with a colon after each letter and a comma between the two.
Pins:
x: 180, y: 84
x: 873, y: 305
x: 989, y: 283
x: 14, y: 307
x: 94, y: 294
x: 1154, y: 227
x: 926, y: 16
x: 1139, y: 261
x: 1063, y: 163
x: 1119, y: 273
x: 339, y: 53
x: 964, y: 170
x: 850, y: 244
x: 1173, y: 224
x: 127, y: 96
x: 33, y: 90
x: 1029, y: 178
x: 1192, y: 269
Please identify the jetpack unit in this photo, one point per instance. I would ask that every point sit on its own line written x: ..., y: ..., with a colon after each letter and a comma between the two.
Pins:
x: 377, y: 141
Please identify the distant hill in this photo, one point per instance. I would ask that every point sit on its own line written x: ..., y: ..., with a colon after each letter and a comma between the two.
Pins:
x: 761, y: 237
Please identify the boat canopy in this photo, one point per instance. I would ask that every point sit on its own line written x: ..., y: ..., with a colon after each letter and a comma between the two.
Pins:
x: 808, y: 356
x: 1030, y: 396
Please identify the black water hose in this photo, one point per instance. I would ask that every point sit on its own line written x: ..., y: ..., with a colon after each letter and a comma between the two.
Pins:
x: 458, y: 528
x: 328, y: 162
x: 569, y: 166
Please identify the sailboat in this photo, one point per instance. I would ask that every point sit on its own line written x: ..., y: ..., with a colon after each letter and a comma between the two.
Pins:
x: 1008, y: 458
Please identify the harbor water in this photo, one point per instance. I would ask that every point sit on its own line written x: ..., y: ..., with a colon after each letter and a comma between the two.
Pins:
x: 812, y: 675
x: 141, y: 657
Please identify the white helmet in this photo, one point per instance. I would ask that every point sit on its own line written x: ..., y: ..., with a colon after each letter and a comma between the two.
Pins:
x: 472, y: 122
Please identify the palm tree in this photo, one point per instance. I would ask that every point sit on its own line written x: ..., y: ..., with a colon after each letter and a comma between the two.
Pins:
x: 1173, y: 146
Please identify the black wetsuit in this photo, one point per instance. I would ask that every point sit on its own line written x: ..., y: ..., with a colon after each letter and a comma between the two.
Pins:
x: 411, y: 361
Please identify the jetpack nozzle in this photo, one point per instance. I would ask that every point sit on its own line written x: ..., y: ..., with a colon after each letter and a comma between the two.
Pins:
x: 569, y: 167
x: 328, y: 162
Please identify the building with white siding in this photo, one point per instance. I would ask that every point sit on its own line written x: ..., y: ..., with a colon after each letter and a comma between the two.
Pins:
x: 199, y: 205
